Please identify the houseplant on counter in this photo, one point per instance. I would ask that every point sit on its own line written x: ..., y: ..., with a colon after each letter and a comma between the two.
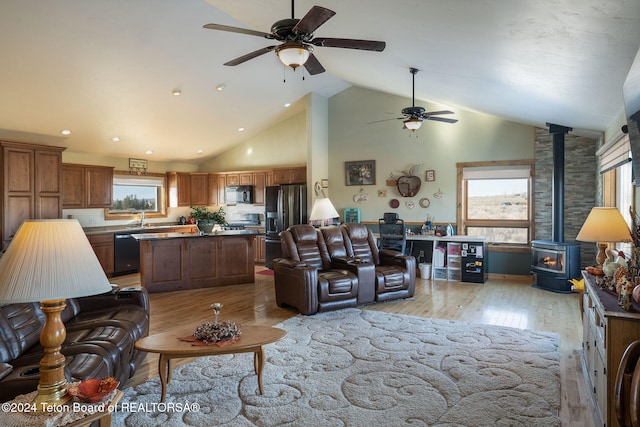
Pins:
x: 206, y: 220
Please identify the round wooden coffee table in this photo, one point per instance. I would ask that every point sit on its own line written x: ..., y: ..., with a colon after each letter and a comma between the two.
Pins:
x: 168, y: 346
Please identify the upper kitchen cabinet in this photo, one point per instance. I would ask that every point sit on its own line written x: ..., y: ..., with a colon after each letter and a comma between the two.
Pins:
x: 259, y: 182
x: 199, y: 189
x: 288, y: 176
x: 86, y: 186
x: 179, y: 189
x: 31, y: 185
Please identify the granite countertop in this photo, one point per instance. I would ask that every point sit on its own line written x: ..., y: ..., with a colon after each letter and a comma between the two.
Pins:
x: 181, y: 235
x: 133, y: 228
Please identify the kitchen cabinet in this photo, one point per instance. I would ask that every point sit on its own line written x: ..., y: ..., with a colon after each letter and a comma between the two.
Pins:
x: 607, y: 332
x: 102, y: 245
x: 232, y: 179
x: 31, y: 185
x: 199, y: 189
x: 212, y: 190
x: 179, y: 189
x: 246, y: 178
x: 259, y: 183
x: 222, y: 183
x: 260, y: 250
x: 289, y: 176
x: 86, y: 186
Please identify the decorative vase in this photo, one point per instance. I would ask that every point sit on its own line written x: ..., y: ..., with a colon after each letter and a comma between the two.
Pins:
x: 205, y: 226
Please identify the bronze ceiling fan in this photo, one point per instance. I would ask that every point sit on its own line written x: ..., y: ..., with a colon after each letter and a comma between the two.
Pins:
x: 298, y: 42
x: 413, y: 116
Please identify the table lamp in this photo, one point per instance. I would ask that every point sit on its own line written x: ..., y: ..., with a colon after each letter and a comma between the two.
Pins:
x: 603, y: 225
x: 50, y: 261
x: 323, y: 210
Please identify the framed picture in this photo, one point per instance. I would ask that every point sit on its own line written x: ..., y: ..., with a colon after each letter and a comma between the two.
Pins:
x: 430, y: 175
x: 362, y: 172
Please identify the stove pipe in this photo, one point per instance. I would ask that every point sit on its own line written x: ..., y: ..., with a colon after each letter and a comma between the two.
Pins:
x: 557, y: 181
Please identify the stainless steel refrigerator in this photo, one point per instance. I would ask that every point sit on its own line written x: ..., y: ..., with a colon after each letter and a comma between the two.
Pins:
x: 285, y: 205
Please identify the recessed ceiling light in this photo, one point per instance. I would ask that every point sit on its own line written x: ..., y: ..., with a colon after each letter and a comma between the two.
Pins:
x: 287, y: 105
x: 148, y: 152
x: 65, y: 132
x: 200, y: 151
x: 176, y: 92
x: 241, y: 129
x: 220, y: 87
x: 116, y: 139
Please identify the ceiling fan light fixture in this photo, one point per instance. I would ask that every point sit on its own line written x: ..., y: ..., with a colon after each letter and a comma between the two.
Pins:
x: 412, y: 123
x: 293, y: 54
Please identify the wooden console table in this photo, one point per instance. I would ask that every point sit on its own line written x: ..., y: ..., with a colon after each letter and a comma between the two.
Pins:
x: 608, y: 330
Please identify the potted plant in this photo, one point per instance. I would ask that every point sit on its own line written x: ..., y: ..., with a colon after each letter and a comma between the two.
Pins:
x: 206, y: 220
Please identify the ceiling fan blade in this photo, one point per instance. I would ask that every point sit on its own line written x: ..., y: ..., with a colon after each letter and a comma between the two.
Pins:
x: 238, y: 30
x: 244, y: 58
x: 442, y: 119
x: 350, y: 43
x: 433, y: 113
x: 314, y: 66
x: 386, y: 120
x: 310, y: 22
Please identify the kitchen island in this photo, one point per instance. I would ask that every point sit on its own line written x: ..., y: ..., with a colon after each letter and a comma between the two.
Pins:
x: 181, y: 260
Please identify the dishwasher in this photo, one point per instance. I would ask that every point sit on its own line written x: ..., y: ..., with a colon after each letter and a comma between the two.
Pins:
x: 126, y: 253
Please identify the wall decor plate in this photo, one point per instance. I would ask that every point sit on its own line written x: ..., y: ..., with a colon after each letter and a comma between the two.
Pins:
x: 410, y: 204
x: 394, y: 203
x: 424, y: 202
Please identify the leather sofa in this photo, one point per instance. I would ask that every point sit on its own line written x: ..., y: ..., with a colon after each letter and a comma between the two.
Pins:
x: 101, y: 333
x: 316, y: 263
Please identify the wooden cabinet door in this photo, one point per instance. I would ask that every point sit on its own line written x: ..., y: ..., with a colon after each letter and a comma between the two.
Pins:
x: 246, y: 179
x: 184, y: 189
x: 99, y: 183
x: 48, y: 184
x: 18, y: 189
x: 260, y: 249
x: 232, y: 179
x: 298, y: 176
x: 199, y: 189
x: 73, y: 187
x: 102, y: 245
x: 212, y: 189
x: 281, y: 176
x: 222, y: 183
x: 259, y: 183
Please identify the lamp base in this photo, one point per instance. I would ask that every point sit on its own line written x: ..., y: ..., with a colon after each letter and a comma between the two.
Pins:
x: 601, y: 257
x: 52, y: 388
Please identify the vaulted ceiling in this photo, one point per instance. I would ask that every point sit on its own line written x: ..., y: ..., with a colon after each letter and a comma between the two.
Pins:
x: 107, y: 68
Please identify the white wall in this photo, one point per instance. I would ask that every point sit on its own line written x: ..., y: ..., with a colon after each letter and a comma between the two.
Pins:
x: 283, y: 144
x: 437, y: 146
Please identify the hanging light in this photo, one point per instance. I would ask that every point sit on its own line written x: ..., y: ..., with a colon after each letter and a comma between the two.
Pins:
x: 293, y: 54
x: 413, y: 123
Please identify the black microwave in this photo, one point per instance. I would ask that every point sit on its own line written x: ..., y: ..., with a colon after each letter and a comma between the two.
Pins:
x: 235, y: 194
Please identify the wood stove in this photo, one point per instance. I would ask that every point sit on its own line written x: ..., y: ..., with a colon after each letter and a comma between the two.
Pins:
x: 554, y: 263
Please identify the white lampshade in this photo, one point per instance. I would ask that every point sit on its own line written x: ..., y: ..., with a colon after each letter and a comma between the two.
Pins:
x: 293, y: 54
x: 50, y: 260
x: 413, y: 123
x: 323, y: 210
x: 604, y: 224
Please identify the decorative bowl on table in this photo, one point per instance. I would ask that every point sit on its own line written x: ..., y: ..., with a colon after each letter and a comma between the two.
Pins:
x: 93, y: 390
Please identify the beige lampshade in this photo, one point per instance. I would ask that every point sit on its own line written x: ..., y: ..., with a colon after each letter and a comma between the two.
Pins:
x: 604, y: 224
x: 49, y: 260
x: 323, y: 209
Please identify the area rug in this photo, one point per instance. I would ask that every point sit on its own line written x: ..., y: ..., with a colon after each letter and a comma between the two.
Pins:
x: 366, y: 368
x: 266, y: 272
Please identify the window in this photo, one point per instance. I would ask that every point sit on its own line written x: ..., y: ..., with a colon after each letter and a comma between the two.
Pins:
x: 133, y: 194
x: 496, y: 200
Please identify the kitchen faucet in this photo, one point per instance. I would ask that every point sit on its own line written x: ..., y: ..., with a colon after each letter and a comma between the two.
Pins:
x: 141, y: 218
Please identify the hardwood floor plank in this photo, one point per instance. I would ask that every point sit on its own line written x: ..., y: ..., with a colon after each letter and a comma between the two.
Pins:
x: 512, y: 303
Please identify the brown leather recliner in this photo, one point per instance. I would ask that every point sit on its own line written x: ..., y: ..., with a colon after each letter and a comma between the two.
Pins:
x: 304, y: 277
x: 395, y: 274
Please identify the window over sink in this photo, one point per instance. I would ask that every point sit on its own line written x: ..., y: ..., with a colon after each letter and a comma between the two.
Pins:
x: 133, y: 194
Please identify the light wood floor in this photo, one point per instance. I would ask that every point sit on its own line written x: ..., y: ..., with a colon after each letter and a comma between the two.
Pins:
x: 497, y: 302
